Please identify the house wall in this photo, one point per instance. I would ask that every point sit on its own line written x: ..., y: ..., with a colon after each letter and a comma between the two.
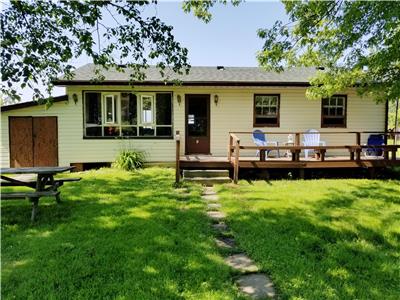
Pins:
x: 234, y: 112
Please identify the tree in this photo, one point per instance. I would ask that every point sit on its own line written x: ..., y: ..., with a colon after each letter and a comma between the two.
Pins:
x: 357, y: 43
x: 40, y: 38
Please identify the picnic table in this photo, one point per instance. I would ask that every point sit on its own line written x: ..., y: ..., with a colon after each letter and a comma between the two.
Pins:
x: 44, y: 184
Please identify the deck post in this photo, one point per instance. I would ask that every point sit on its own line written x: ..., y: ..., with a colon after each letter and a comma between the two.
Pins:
x: 358, y: 143
x: 236, y: 164
x: 230, y: 147
x: 297, y: 139
x: 177, y: 158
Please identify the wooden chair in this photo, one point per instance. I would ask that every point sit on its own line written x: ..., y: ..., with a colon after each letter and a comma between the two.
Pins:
x: 312, y: 138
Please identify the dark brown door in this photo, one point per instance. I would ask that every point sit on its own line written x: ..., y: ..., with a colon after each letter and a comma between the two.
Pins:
x: 197, y: 124
x: 21, y: 141
x: 45, y: 142
x: 33, y: 141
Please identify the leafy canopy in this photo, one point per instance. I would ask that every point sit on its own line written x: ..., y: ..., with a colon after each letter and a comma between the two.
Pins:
x: 357, y: 42
x: 39, y: 39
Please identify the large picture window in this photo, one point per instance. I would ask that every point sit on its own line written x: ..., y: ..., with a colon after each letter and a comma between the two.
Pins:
x: 266, y: 110
x: 334, y: 111
x: 128, y: 115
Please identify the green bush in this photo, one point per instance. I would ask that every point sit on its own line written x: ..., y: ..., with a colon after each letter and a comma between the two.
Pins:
x: 130, y: 160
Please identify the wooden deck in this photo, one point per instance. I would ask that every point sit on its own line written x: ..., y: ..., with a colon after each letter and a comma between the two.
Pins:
x: 293, y: 159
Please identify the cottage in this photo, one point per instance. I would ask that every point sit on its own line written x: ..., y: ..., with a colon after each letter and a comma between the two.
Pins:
x: 93, y: 121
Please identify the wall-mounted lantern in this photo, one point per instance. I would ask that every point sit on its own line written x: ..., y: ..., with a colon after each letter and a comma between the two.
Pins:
x: 75, y: 98
x: 216, y: 99
x: 179, y: 99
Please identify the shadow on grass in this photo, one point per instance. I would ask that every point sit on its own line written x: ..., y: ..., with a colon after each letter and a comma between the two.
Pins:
x: 114, y: 236
x: 328, y: 249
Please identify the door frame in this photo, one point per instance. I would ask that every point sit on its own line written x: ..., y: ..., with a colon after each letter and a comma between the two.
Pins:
x: 208, y: 101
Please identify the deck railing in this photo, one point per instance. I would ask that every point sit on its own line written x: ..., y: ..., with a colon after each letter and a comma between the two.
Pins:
x: 354, y: 150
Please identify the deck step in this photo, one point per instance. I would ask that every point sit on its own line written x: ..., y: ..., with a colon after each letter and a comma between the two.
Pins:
x: 208, y: 180
x: 205, y: 173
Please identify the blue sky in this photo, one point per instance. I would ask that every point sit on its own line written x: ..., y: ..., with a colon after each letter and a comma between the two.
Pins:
x: 230, y: 39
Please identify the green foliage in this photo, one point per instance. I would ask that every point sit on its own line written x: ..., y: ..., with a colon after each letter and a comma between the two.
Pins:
x: 40, y: 38
x: 201, y: 8
x: 116, y: 235
x: 130, y: 160
x: 320, y: 239
x: 392, y: 115
x: 357, y: 42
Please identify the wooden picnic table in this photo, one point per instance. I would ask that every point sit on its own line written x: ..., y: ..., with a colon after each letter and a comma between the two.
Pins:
x: 44, y: 184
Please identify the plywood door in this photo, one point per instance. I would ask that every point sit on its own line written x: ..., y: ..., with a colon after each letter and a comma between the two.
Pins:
x: 21, y: 142
x: 45, y: 142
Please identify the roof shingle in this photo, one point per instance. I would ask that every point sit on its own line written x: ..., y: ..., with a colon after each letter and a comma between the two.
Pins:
x: 198, y: 75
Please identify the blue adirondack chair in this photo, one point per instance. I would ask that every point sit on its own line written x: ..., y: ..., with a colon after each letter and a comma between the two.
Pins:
x: 260, y: 139
x: 311, y: 138
x: 374, y: 140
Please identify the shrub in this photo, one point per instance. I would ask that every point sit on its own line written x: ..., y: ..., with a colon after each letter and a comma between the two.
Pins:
x: 130, y: 160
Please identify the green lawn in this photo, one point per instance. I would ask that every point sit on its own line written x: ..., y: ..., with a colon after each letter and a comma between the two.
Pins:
x: 117, y: 235
x: 321, y: 239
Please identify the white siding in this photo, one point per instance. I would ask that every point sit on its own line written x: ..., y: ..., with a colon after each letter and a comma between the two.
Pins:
x: 234, y: 112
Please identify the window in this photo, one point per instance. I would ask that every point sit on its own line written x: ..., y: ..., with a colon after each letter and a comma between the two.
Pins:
x: 93, y: 114
x: 334, y: 111
x: 147, y: 109
x: 128, y: 115
x: 110, y: 109
x: 266, y: 110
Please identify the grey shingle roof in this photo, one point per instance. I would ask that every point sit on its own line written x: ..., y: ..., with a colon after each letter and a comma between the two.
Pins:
x: 199, y: 75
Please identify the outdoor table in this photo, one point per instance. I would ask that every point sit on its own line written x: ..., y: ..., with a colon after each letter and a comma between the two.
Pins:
x: 45, y: 177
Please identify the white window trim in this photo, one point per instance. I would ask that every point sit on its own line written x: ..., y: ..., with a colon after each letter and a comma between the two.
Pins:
x: 153, y: 108
x: 105, y: 109
x: 117, y: 96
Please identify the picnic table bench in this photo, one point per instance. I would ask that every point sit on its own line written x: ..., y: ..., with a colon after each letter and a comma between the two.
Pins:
x: 44, y: 184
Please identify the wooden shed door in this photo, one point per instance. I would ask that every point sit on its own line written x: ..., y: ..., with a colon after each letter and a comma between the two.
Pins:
x: 21, y: 142
x: 33, y: 141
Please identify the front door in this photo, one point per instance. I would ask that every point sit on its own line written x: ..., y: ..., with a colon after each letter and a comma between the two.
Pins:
x: 33, y: 142
x: 197, y: 124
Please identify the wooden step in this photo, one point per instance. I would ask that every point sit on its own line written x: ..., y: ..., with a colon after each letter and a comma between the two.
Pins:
x: 207, y: 180
x: 205, y: 173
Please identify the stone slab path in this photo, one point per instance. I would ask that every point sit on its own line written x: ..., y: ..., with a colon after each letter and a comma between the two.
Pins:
x: 211, y: 198
x: 213, y: 206
x: 257, y: 286
x: 242, y: 263
x: 216, y: 215
x: 227, y: 243
x: 251, y: 282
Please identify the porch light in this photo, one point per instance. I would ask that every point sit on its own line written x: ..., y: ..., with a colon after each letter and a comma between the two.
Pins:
x: 216, y: 99
x: 179, y: 99
x: 75, y: 98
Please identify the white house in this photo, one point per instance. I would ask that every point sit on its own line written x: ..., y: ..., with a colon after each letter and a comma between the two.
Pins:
x: 93, y: 121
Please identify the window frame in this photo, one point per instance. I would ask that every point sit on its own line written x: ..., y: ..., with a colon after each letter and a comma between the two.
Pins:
x: 153, y: 109
x: 104, y: 108
x: 278, y: 114
x: 118, y: 121
x: 323, y: 117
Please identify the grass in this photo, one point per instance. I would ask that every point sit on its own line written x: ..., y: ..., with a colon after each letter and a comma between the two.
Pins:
x: 321, y: 239
x: 117, y: 235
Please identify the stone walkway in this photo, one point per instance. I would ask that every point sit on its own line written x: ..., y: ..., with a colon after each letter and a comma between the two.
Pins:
x: 251, y: 282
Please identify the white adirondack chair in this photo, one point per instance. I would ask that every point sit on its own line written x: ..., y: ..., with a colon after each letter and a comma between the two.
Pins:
x: 312, y: 138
